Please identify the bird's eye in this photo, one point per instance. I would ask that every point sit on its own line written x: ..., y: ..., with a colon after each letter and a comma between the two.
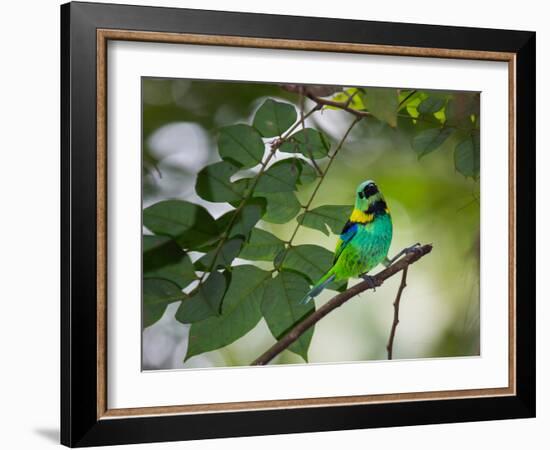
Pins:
x: 370, y: 189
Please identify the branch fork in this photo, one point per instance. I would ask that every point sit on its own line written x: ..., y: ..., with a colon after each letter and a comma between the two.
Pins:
x: 402, y: 265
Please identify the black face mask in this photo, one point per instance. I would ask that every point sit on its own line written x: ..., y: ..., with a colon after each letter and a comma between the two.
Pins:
x: 370, y: 189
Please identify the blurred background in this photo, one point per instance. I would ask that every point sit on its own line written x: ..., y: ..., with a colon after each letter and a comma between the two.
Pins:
x: 429, y: 200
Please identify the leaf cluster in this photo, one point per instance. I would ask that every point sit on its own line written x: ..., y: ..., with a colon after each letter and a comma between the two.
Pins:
x: 432, y: 118
x: 221, y: 293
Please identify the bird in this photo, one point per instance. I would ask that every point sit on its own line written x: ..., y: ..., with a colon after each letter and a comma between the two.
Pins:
x: 364, y: 241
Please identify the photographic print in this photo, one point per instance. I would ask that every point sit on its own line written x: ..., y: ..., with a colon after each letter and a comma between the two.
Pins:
x: 273, y: 208
x: 303, y: 224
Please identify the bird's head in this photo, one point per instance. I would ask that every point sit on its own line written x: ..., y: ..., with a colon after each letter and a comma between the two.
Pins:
x: 369, y: 199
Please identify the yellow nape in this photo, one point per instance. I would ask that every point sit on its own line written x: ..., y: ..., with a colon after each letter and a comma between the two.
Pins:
x: 359, y: 216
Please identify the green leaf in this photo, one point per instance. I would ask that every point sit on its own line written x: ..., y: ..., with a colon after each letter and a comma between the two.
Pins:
x: 431, y: 105
x: 262, y: 246
x: 164, y: 259
x: 411, y: 105
x: 246, y: 219
x: 241, y: 145
x: 307, y: 173
x: 155, y: 243
x: 333, y: 216
x: 274, y: 118
x: 310, y: 260
x: 189, y: 224
x: 406, y: 124
x: 203, y: 302
x: 441, y: 116
x: 282, y: 308
x: 428, y: 140
x: 224, y: 256
x: 407, y: 97
x: 339, y: 286
x: 466, y: 156
x: 157, y: 295
x: 240, y: 312
x: 159, y: 251
x: 382, y: 103
x: 309, y: 142
x: 214, y: 184
x: 242, y: 185
x: 280, y: 177
x: 281, y: 207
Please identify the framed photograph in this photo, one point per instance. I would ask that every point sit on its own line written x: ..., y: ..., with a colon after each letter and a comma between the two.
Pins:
x: 277, y: 224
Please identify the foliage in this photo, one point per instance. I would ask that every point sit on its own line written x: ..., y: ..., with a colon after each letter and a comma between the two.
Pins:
x: 225, y: 299
x: 331, y: 216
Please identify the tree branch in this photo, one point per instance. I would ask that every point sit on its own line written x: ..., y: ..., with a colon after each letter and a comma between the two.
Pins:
x: 338, y: 300
x: 402, y: 286
x: 340, y: 105
x: 344, y: 106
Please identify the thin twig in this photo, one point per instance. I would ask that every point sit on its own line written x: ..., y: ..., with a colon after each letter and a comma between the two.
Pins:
x: 148, y: 160
x: 306, y: 142
x: 340, y: 105
x: 350, y: 98
x: 236, y: 212
x: 402, y: 102
x: 339, y: 300
x: 402, y: 286
x: 314, y: 193
x: 274, y: 147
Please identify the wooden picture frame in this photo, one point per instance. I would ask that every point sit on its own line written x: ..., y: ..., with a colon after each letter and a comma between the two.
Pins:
x: 86, y: 418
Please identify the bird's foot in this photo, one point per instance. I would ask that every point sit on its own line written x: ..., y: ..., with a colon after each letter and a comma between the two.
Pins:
x: 371, y: 281
x: 412, y: 249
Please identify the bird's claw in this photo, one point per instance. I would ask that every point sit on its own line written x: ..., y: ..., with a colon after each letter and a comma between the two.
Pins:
x: 371, y: 281
x: 412, y: 249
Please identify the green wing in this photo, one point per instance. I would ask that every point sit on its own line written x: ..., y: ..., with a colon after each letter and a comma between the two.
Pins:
x: 347, y: 234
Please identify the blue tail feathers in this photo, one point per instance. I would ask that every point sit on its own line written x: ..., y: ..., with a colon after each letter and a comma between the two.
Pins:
x: 318, y: 288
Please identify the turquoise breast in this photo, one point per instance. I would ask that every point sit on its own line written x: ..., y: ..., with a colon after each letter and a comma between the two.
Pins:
x: 368, y: 248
